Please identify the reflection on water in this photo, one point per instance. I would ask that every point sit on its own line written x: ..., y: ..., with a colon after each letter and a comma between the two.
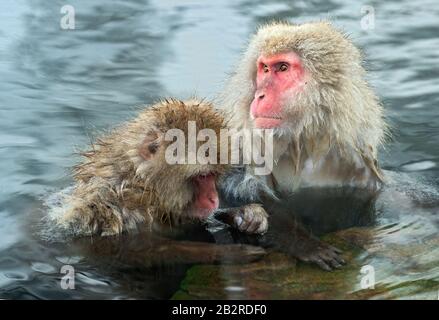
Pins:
x: 59, y: 87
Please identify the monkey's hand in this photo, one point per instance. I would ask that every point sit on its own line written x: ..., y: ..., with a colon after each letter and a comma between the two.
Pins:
x: 289, y: 236
x: 250, y: 219
x: 313, y: 250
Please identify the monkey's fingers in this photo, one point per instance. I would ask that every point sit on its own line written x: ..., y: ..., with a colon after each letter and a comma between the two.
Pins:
x: 263, y: 227
x: 335, y: 249
x: 329, y: 259
x: 253, y: 219
x: 255, y: 224
x: 336, y: 255
x: 317, y: 260
x: 332, y: 253
x: 243, y: 220
x: 228, y: 215
x: 323, y: 255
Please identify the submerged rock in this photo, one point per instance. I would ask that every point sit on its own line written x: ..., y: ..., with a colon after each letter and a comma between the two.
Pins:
x: 278, y: 276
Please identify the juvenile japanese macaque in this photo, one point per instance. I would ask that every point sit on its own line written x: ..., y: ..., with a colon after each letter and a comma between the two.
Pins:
x: 307, y: 83
x: 126, y: 183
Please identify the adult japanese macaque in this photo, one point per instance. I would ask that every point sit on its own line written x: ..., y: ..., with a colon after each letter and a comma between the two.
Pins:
x: 128, y: 182
x: 307, y: 83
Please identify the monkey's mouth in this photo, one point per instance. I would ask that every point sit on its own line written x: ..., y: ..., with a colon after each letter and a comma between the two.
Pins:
x: 267, y: 122
x: 206, y: 198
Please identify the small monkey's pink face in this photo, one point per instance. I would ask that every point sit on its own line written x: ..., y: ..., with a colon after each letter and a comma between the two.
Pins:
x: 202, y: 197
x: 206, y: 196
x: 278, y: 78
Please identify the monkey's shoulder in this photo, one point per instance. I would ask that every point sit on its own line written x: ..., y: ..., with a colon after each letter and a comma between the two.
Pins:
x: 331, y: 171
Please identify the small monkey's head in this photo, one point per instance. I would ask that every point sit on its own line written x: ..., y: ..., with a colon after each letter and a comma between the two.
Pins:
x: 178, y: 168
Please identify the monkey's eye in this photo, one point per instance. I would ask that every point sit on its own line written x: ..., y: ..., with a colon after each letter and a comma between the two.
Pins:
x: 265, y: 68
x: 153, y: 147
x: 283, y: 67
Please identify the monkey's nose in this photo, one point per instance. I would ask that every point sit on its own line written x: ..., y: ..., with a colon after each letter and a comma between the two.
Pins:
x: 213, y: 202
x: 261, y: 96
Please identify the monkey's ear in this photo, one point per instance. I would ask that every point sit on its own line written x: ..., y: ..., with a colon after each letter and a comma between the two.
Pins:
x: 149, y: 146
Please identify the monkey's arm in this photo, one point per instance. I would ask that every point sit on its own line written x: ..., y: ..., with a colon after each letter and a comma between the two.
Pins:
x: 287, y: 235
x: 239, y: 187
x: 96, y: 208
x: 241, y: 194
x: 147, y: 250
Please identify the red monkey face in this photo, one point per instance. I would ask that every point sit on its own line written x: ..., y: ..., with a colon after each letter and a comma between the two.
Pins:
x: 279, y: 77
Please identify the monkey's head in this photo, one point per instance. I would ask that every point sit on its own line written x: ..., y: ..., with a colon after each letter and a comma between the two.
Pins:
x: 182, y: 179
x: 302, y: 79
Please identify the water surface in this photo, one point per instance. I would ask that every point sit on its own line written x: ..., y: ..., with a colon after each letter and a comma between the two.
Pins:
x: 59, y: 87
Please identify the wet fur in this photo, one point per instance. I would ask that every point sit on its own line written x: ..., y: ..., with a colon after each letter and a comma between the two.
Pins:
x: 335, y: 125
x: 117, y: 190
